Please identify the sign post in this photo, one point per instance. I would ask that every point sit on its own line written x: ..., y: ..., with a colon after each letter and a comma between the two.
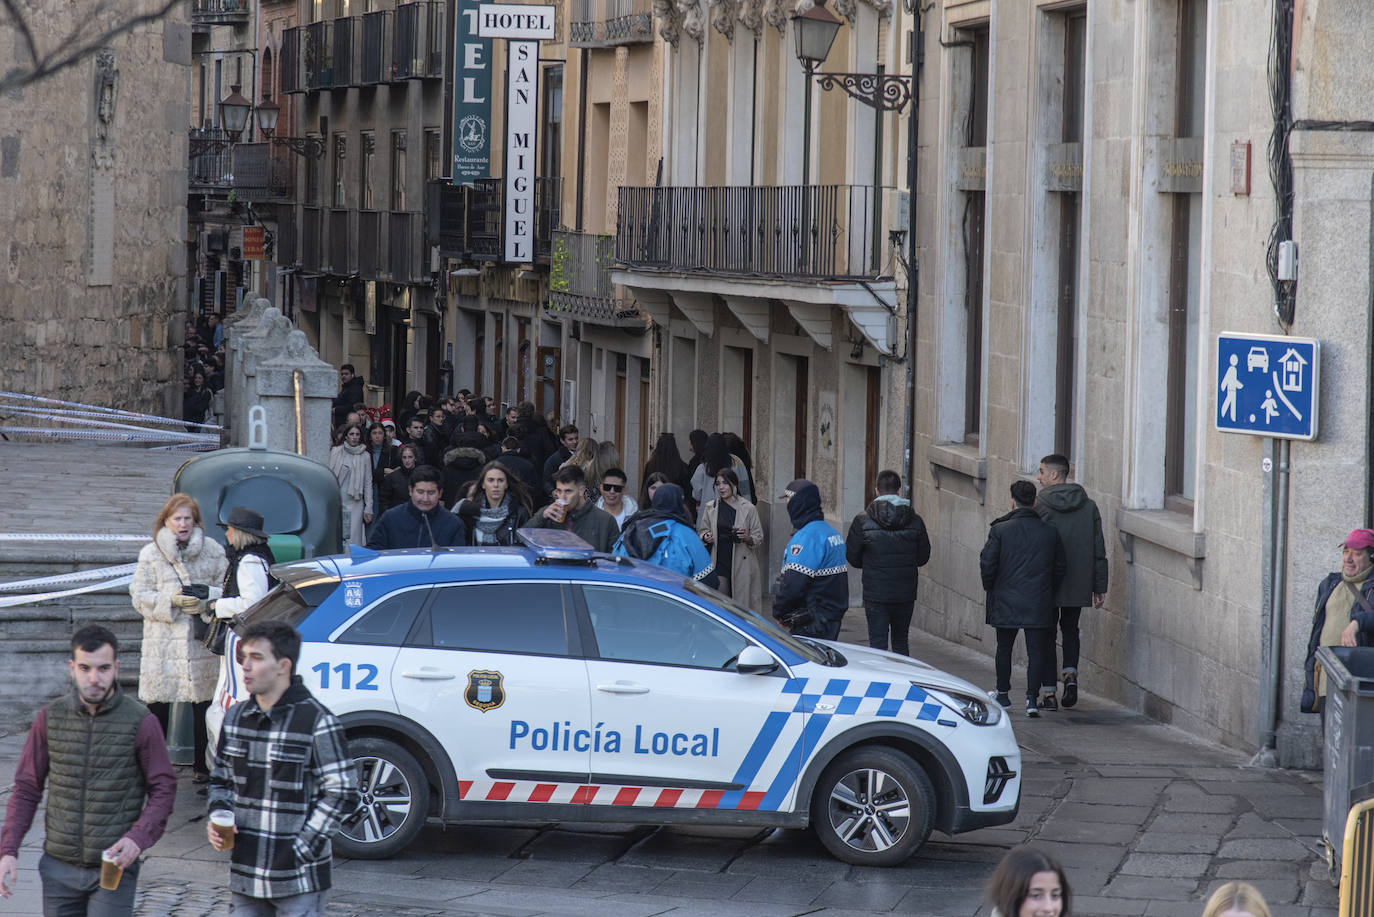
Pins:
x: 522, y: 27
x: 1267, y: 385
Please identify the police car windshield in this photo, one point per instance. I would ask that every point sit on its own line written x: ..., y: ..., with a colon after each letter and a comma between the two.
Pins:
x: 757, y: 621
x: 291, y: 604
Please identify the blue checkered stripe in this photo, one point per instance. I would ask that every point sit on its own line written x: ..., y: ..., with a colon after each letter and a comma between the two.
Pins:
x: 793, y: 731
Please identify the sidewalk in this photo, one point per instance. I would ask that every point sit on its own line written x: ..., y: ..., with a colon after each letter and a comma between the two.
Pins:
x: 1146, y: 820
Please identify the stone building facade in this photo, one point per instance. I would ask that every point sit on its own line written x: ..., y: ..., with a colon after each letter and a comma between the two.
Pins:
x: 1095, y: 210
x: 93, y: 198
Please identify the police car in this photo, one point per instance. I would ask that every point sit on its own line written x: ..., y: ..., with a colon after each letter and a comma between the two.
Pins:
x: 549, y: 683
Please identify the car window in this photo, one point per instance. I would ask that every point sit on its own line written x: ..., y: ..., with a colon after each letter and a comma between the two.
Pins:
x: 290, y: 604
x: 634, y: 625
x: 387, y: 622
x: 500, y: 618
x: 753, y: 619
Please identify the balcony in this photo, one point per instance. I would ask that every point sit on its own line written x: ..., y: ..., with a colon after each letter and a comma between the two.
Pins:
x: 375, y: 61
x: 312, y: 232
x: 580, y: 284
x: 317, y: 55
x: 287, y: 251
x: 822, y: 232
x: 253, y: 171
x: 347, y: 38
x: 340, y: 256
x: 418, y: 41
x: 467, y: 221
x: 208, y: 13
x: 606, y: 23
x: 213, y: 169
x: 369, y: 243
x: 404, y: 247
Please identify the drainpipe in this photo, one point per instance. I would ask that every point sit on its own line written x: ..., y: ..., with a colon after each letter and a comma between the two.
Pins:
x: 913, y: 268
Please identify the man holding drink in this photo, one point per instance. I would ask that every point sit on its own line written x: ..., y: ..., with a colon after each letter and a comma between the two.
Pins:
x: 104, y: 760
x: 281, y: 783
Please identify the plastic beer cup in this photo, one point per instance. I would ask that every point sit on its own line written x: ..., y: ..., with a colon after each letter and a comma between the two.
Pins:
x: 110, y: 871
x: 222, y: 820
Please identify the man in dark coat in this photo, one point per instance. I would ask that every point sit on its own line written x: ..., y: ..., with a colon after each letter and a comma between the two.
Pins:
x: 420, y: 522
x: 572, y: 513
x: 1021, y: 565
x: 350, y: 393
x: 516, y: 458
x: 567, y: 445
x: 1067, y: 507
x: 888, y: 542
x: 812, y: 592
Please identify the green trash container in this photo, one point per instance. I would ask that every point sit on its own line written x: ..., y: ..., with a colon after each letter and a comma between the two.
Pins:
x: 181, y: 733
x: 1348, y: 749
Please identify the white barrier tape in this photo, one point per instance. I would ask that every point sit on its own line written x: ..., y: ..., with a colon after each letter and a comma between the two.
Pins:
x: 27, y: 536
x: 104, y: 418
x: 105, y: 422
x: 127, y: 415
x: 145, y: 436
x: 60, y: 579
x: 13, y: 600
x: 186, y: 447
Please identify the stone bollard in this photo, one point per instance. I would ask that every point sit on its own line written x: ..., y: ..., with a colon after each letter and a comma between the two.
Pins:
x: 266, y: 340
x: 235, y: 327
x: 275, y: 390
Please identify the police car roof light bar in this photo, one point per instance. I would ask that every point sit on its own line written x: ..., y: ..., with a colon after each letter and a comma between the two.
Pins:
x: 556, y: 546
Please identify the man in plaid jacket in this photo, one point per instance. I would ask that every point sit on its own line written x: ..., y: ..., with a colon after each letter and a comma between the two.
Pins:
x: 282, y: 767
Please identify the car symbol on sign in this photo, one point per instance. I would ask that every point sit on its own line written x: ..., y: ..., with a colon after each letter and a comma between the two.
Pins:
x: 1257, y: 358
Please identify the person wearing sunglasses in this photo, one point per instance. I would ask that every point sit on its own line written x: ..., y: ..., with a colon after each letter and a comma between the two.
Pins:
x: 614, y: 499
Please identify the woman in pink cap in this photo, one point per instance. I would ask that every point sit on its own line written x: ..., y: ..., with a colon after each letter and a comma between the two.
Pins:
x: 1344, y: 614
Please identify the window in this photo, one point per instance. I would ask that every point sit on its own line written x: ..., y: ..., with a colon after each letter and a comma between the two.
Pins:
x: 398, y: 170
x: 975, y: 207
x: 1070, y: 206
x: 632, y: 625
x: 312, y: 178
x: 1180, y: 448
x: 552, y: 129
x: 340, y: 154
x: 367, y: 169
x: 498, y: 618
x: 434, y: 160
x: 388, y: 622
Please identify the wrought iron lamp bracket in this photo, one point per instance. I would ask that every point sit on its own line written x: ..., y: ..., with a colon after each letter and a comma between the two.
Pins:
x: 302, y: 146
x: 883, y: 91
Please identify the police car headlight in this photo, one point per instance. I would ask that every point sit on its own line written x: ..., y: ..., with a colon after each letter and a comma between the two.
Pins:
x: 977, y: 710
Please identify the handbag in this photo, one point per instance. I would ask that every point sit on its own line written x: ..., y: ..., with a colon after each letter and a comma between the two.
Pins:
x: 211, y: 634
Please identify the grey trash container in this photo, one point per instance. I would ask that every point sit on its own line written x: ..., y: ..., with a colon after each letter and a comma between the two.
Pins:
x: 1348, y: 752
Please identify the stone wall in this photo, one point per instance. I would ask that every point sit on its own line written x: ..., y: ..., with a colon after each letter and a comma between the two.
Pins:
x: 93, y: 177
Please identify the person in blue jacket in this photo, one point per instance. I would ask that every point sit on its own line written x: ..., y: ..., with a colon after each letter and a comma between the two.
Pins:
x: 663, y: 535
x: 812, y: 591
x: 420, y: 522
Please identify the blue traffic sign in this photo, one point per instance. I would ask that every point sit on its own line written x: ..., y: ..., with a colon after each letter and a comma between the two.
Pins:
x: 1267, y: 385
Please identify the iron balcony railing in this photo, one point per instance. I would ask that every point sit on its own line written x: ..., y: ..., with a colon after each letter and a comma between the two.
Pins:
x: 599, y: 23
x: 580, y: 279
x: 206, y: 13
x: 418, y: 46
x: 468, y: 221
x: 264, y: 172
x: 403, y: 243
x: 369, y: 244
x: 286, y: 248
x: 311, y: 239
x: 340, y: 252
x: 290, y: 65
x: 345, y: 70
x: 375, y: 61
x: 214, y: 166
x: 317, y: 55
x: 813, y: 231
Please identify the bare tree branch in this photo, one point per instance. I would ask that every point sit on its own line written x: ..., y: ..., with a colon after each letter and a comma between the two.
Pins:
x: 74, y: 47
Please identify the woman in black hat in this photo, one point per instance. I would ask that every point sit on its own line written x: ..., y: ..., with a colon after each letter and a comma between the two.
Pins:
x: 247, y: 579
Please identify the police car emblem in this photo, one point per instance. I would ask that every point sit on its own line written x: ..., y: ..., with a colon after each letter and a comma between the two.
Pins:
x: 353, y: 595
x: 484, y: 690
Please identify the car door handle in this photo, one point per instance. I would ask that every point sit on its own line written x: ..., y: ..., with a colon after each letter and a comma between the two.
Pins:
x: 623, y: 687
x: 428, y: 674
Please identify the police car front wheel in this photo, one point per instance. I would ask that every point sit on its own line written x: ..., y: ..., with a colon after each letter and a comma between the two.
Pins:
x: 873, y: 807
x: 393, y: 803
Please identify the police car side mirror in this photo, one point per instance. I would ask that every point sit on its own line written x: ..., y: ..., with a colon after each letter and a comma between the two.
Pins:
x: 755, y: 660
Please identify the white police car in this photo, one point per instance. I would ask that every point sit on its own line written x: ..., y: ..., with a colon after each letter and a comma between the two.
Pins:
x: 549, y: 683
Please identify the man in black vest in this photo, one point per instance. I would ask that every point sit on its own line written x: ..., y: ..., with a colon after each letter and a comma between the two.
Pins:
x: 104, y: 759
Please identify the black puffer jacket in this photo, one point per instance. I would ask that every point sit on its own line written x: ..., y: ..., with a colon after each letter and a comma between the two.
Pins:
x: 461, y: 467
x: 888, y: 541
x: 1021, y: 565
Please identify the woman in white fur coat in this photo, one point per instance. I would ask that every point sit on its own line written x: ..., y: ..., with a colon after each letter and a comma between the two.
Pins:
x: 173, y: 666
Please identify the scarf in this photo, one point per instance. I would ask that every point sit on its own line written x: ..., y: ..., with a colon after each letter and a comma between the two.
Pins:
x: 490, y: 519
x: 353, y: 469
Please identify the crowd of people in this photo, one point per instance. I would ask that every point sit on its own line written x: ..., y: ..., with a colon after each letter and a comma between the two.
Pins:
x: 203, y: 359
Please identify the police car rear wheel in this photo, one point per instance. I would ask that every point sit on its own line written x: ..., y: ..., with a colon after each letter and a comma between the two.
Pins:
x: 393, y: 805
x: 873, y: 807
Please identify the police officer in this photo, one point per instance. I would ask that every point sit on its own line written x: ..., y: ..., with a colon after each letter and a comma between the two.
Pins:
x: 812, y: 591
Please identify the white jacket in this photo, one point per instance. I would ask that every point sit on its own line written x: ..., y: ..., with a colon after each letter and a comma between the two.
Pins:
x: 172, y: 665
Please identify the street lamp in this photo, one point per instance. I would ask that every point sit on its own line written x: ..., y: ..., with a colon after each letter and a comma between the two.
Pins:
x: 267, y: 113
x: 233, y: 111
x: 815, y: 32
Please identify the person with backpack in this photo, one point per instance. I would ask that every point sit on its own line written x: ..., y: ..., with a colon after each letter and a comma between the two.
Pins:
x: 247, y: 579
x: 662, y: 535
